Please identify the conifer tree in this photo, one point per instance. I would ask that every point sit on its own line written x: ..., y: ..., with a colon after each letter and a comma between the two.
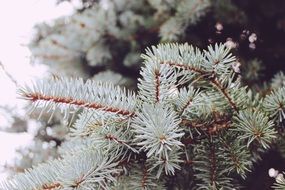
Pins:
x: 198, y: 119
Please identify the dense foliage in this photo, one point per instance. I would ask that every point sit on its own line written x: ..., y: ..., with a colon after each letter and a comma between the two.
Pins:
x: 198, y: 119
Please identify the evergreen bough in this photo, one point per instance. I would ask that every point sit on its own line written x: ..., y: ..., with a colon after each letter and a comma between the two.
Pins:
x: 191, y: 125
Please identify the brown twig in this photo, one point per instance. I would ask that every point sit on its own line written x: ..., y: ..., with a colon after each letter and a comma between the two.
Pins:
x: 81, y: 103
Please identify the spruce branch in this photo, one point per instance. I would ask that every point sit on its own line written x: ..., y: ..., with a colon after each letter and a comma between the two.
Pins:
x: 236, y: 155
x: 214, y: 65
x: 186, y: 98
x: 254, y: 125
x: 88, y: 171
x: 190, y: 111
x: 73, y: 94
x: 182, y: 56
x: 208, y: 168
x: 156, y: 83
x: 85, y: 171
x: 224, y: 91
x: 75, y: 146
x: 169, y: 162
x: 142, y: 178
x: 274, y: 104
x: 106, y: 131
x: 156, y: 130
x: 217, y: 57
x: 42, y: 177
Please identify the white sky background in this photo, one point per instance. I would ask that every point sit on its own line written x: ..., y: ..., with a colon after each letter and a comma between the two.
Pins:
x: 17, y: 18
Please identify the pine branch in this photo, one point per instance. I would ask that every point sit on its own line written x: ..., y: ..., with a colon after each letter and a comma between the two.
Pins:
x: 84, y: 171
x: 216, y: 83
x: 186, y: 98
x: 93, y: 95
x: 218, y: 62
x: 184, y: 66
x: 142, y: 178
x: 41, y: 177
x: 254, y: 125
x: 156, y: 83
x: 274, y: 104
x: 178, y: 56
x: 207, y: 163
x: 156, y: 130
x: 190, y: 110
x: 236, y: 155
x: 168, y: 162
x: 104, y: 131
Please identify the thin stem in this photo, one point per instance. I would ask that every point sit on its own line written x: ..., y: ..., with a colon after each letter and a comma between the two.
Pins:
x: 8, y: 74
x: 184, y: 66
x: 144, y: 177
x: 81, y: 103
x: 213, y: 164
x: 157, y: 85
x: 216, y: 83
